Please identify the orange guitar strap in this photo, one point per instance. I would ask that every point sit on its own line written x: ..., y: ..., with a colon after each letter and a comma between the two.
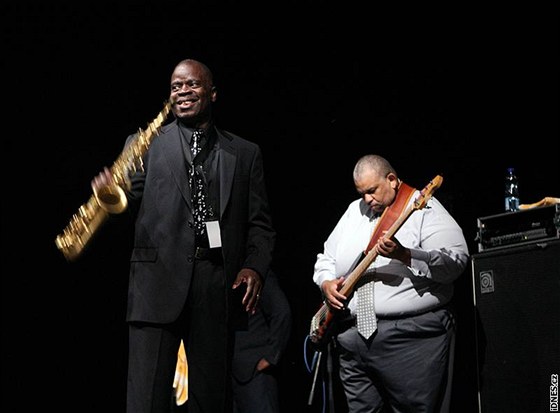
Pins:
x: 391, y: 213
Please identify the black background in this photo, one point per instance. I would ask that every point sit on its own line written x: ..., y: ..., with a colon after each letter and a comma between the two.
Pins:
x: 464, y: 93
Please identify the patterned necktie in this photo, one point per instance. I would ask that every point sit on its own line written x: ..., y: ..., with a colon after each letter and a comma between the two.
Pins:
x: 366, y: 321
x: 196, y: 182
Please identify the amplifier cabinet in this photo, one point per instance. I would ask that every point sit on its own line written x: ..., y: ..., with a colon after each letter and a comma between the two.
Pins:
x: 516, y: 293
x: 518, y: 228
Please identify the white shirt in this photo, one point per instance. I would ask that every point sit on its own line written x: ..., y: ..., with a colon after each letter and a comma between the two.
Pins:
x: 439, y: 255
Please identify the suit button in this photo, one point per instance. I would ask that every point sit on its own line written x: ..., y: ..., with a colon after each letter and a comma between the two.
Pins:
x: 190, y: 258
x: 191, y: 224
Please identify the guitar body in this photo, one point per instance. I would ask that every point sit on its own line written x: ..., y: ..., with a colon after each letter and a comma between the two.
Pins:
x: 322, y: 326
x: 327, y: 324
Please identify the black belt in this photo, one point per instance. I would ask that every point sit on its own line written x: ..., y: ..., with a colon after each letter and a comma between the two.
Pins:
x: 202, y: 253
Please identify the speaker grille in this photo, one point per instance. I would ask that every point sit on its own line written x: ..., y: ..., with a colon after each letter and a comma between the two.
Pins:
x: 516, y: 296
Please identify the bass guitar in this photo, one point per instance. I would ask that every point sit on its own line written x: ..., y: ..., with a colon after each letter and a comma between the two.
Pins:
x: 321, y: 323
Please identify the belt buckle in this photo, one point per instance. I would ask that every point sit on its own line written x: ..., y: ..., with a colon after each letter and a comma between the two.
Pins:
x: 203, y: 253
x: 200, y: 253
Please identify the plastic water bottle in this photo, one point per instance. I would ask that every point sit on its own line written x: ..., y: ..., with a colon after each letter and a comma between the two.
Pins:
x: 511, y: 191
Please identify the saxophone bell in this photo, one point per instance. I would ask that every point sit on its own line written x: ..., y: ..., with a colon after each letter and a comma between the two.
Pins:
x: 111, y: 198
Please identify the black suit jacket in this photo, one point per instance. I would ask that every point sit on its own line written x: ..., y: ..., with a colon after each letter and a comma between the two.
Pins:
x: 164, y: 240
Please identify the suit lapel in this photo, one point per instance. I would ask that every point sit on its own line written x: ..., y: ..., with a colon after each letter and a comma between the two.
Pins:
x: 175, y: 155
x: 227, y: 159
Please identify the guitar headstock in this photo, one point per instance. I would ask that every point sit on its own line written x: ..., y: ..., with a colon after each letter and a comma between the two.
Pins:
x: 427, y: 192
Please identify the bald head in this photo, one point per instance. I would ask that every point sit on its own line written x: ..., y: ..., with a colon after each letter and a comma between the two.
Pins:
x: 201, y: 68
x: 376, y: 181
x: 373, y: 162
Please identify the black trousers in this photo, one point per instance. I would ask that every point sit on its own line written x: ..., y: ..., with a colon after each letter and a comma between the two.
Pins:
x: 203, y: 327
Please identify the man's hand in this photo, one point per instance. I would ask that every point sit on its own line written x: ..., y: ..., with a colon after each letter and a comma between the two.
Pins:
x: 263, y: 364
x: 392, y: 248
x: 254, y: 287
x: 333, y: 298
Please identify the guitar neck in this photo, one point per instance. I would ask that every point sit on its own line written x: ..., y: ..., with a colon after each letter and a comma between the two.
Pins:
x: 371, y: 255
x: 355, y: 275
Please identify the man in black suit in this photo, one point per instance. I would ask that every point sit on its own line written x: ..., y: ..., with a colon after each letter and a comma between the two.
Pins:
x: 259, y: 350
x: 203, y: 242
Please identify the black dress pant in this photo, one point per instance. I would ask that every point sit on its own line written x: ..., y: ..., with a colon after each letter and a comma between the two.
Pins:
x: 203, y: 327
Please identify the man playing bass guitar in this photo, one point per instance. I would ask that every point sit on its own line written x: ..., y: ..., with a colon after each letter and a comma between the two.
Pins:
x: 405, y: 364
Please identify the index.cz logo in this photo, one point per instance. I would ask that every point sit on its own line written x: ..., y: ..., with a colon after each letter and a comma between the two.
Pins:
x: 554, y: 392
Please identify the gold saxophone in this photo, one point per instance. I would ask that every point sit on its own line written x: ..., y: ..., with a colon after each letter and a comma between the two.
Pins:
x: 110, y: 199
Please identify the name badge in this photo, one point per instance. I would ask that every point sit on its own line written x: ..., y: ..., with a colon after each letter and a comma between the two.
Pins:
x: 213, y: 231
